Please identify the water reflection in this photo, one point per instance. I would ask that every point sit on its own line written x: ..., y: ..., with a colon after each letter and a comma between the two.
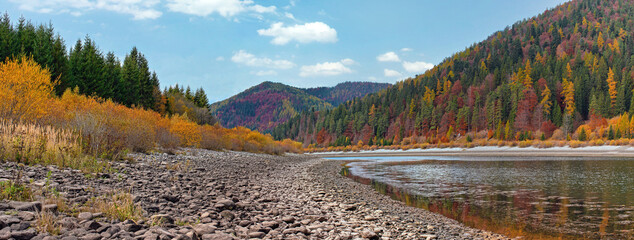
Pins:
x: 535, y: 198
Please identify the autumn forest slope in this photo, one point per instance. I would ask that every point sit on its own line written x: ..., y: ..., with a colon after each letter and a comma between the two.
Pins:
x: 555, y: 75
x: 269, y: 104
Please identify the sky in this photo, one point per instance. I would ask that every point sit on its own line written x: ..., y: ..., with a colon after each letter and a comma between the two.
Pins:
x: 227, y: 46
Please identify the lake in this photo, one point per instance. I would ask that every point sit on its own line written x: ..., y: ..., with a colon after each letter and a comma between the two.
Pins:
x: 534, y: 197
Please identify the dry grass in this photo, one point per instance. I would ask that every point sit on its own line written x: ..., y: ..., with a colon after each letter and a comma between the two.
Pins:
x: 46, y: 222
x: 45, y: 145
x: 117, y: 206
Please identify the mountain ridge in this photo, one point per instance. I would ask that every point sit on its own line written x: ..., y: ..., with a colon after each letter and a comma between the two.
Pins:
x: 268, y: 104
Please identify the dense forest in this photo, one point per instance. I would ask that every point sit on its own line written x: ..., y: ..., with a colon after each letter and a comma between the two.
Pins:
x: 94, y: 73
x: 565, y: 74
x: 346, y: 91
x: 269, y: 104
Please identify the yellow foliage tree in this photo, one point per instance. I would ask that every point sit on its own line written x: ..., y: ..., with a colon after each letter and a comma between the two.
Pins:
x: 612, y: 88
x: 545, y: 102
x: 25, y: 90
x: 600, y: 41
x: 569, y: 96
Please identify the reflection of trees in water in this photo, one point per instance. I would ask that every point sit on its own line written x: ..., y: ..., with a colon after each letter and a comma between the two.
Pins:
x: 520, y: 212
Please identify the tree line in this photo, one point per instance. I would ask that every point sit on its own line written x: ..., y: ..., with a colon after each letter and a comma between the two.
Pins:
x: 86, y: 69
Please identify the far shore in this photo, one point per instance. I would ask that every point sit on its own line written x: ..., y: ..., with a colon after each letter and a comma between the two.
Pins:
x: 492, y: 151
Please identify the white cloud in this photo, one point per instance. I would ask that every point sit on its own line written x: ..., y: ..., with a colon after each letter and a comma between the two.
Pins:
x: 266, y: 73
x: 391, y: 73
x: 139, y: 9
x: 290, y: 16
x: 326, y: 68
x: 309, y: 32
x: 406, y: 49
x: 226, y: 8
x: 347, y: 61
x: 388, y: 57
x: 419, y: 67
x: 372, y: 78
x: 243, y: 57
x: 220, y: 58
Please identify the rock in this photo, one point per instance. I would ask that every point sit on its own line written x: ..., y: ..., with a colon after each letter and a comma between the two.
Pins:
x: 225, y: 204
x: 91, y: 236
x: 20, y: 226
x: 226, y: 214
x: 217, y: 236
x: 288, y: 219
x: 132, y: 227
x: 68, y: 222
x: 170, y: 198
x: 26, y: 216
x: 84, y: 216
x: 257, y: 234
x: 428, y: 236
x: 244, y: 223
x: 202, y: 229
x: 50, y: 208
x: 26, y: 206
x: 270, y: 224
x: 92, y: 225
x: 24, y: 235
x: 369, y: 235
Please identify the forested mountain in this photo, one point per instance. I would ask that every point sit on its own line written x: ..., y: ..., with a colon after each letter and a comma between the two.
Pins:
x: 554, y: 71
x: 346, y: 91
x: 91, y: 72
x: 268, y: 104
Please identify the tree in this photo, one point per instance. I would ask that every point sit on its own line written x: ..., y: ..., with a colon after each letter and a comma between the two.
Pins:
x: 612, y: 89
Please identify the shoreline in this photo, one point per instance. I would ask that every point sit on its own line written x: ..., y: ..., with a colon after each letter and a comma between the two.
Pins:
x: 489, y: 151
x: 199, y: 194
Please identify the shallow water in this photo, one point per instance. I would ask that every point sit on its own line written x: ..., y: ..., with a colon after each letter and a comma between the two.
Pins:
x: 534, y: 197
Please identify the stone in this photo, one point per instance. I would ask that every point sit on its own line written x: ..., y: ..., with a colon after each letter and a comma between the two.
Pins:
x: 257, y: 234
x: 92, y: 225
x: 91, y: 236
x: 202, y: 229
x: 217, y: 236
x: 26, y: 206
x: 24, y: 235
x: 26, y: 216
x: 84, y: 216
x: 132, y: 227
x: 50, y: 208
x: 369, y: 235
x: 225, y: 204
x: 288, y: 219
x: 226, y: 214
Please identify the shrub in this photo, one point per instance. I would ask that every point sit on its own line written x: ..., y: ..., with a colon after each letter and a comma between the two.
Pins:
x: 119, y: 206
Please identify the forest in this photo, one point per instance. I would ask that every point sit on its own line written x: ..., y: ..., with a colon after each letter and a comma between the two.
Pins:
x: 75, y: 109
x: 564, y: 75
x: 264, y: 106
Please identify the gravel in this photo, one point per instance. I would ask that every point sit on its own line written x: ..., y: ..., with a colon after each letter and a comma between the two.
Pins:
x: 201, y: 194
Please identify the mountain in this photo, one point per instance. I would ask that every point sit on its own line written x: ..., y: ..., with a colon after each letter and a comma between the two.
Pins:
x: 346, y: 91
x: 542, y: 77
x: 269, y: 104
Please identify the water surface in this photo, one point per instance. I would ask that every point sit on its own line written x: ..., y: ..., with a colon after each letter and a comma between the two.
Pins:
x: 534, y: 197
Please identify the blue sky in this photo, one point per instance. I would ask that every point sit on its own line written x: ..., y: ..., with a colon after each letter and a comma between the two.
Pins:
x: 227, y: 46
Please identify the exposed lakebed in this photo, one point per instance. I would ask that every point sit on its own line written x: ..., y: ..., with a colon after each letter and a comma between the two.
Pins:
x: 534, y: 197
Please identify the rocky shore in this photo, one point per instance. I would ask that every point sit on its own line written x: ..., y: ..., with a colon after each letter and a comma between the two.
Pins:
x: 200, y: 194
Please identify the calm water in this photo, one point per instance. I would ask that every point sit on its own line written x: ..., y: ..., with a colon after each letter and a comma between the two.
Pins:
x: 538, y: 198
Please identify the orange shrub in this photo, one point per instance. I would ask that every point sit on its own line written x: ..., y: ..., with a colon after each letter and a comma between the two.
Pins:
x: 25, y: 90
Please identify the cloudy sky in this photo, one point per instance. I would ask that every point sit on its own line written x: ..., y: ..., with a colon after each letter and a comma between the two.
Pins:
x: 226, y: 46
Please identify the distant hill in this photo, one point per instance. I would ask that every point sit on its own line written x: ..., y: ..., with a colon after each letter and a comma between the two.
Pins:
x: 346, y: 91
x: 269, y: 104
x: 557, y: 70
